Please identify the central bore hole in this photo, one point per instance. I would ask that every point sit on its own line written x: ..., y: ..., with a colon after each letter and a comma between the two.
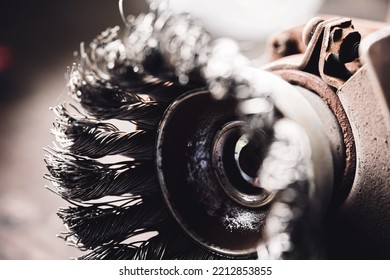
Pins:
x: 248, y: 156
x: 237, y: 158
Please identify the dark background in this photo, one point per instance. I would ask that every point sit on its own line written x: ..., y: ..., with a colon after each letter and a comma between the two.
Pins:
x: 37, y: 41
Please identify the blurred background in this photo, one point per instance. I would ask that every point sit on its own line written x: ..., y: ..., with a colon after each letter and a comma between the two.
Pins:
x: 37, y: 42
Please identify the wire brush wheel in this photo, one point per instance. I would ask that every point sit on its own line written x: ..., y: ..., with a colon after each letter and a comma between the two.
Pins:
x: 117, y: 209
x: 155, y: 158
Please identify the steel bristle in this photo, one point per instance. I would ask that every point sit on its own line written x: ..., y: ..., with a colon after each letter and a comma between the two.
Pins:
x: 114, y: 252
x: 81, y: 179
x: 93, y: 225
x: 106, y: 103
x: 87, y: 137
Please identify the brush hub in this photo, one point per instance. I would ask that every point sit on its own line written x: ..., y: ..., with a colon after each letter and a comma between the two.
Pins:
x: 207, y: 183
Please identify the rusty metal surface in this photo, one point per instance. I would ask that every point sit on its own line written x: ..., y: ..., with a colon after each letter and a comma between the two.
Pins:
x: 358, y: 224
x: 364, y: 221
x: 319, y: 87
x: 285, y: 43
x: 374, y: 52
x: 331, y: 51
x: 289, y: 42
x: 339, y: 46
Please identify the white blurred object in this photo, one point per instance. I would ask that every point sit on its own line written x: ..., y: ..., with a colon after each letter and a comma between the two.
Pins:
x: 246, y: 19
